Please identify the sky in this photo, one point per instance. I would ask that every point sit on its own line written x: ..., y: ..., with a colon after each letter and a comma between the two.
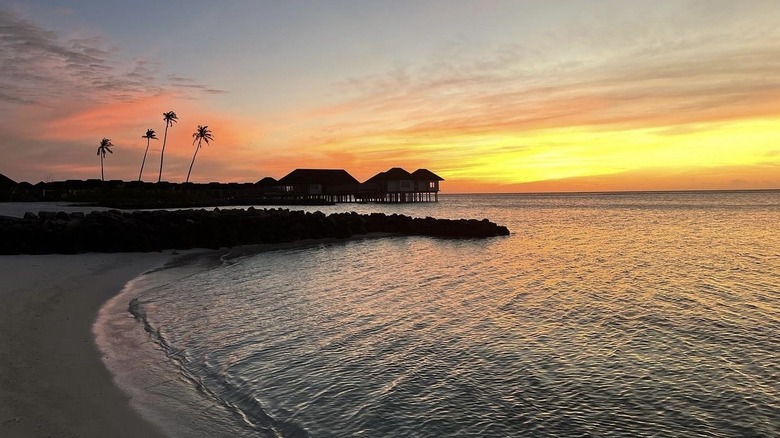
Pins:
x: 493, y: 96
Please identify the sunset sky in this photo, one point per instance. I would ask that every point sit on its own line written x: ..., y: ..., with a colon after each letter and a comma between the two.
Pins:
x: 494, y: 96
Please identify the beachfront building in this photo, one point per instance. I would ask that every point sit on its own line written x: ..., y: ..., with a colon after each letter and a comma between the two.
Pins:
x: 329, y: 185
x: 301, y: 186
x: 398, y: 185
x: 5, y: 182
x: 7, y: 187
x: 426, y: 185
x: 268, y: 185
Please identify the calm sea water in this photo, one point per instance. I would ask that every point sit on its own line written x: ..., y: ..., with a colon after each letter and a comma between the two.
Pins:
x: 651, y: 314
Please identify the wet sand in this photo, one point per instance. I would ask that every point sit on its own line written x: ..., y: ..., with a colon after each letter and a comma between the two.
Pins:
x: 52, y: 380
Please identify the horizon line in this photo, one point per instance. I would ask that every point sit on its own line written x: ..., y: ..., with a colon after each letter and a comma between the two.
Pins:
x: 617, y: 192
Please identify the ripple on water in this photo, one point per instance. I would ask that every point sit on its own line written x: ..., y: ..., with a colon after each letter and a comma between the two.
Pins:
x: 608, y: 317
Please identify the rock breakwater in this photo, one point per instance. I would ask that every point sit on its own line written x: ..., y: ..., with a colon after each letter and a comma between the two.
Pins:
x: 120, y: 231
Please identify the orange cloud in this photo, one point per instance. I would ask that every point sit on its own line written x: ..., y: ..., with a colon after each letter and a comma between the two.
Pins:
x: 486, y: 128
x: 687, y: 112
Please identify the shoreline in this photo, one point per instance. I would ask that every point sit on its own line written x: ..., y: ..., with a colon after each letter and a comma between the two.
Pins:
x: 52, y: 379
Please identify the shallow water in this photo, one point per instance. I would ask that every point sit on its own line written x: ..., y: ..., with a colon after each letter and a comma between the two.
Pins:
x: 603, y: 314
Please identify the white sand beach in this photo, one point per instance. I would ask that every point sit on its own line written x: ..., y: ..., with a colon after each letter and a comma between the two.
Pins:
x: 52, y: 380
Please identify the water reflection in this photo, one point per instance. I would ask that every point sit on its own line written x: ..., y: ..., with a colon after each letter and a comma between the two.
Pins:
x: 602, y: 315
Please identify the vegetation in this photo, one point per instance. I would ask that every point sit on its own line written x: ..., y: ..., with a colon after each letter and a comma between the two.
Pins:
x: 202, y: 133
x: 105, y: 146
x: 169, y: 118
x: 150, y: 134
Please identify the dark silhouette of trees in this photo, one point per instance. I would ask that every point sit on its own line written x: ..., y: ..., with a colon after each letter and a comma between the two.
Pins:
x: 169, y: 118
x: 105, y: 146
x: 202, y: 133
x: 150, y: 134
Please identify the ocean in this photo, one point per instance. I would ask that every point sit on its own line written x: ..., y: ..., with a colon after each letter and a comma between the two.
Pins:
x: 612, y: 314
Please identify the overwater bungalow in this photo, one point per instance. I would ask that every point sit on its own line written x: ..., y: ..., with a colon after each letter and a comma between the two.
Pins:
x: 398, y: 185
x: 268, y: 185
x: 301, y: 186
x: 7, y: 186
x: 329, y: 185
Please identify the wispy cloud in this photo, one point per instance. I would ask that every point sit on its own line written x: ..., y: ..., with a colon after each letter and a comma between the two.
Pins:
x: 40, y: 66
x: 58, y: 94
x: 461, y: 110
x: 181, y: 82
x: 602, y: 94
x: 663, y: 89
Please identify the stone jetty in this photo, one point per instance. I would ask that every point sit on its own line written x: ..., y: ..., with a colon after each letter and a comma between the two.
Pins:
x: 124, y: 231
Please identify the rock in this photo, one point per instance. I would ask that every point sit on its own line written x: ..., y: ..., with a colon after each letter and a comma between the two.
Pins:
x: 114, y: 230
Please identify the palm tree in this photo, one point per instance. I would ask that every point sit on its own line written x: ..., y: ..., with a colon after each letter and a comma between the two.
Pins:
x: 105, y: 146
x: 150, y: 134
x: 169, y: 118
x: 201, y: 134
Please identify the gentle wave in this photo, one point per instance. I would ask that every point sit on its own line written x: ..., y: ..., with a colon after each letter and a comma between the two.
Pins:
x: 592, y: 319
x: 213, y: 382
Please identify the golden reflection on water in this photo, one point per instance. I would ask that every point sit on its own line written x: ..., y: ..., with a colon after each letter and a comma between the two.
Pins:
x: 608, y: 315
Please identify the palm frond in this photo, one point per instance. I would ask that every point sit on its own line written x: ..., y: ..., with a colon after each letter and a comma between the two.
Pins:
x: 202, y: 133
x: 150, y: 134
x: 105, y: 146
x: 170, y: 118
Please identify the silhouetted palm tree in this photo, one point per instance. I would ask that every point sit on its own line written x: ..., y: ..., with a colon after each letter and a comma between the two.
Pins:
x: 169, y: 118
x: 150, y: 134
x: 105, y: 146
x: 201, y: 134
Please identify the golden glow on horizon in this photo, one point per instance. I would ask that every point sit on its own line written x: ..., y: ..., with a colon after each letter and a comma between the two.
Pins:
x: 469, y: 162
x: 584, y: 151
x: 679, y: 96
x: 740, y: 154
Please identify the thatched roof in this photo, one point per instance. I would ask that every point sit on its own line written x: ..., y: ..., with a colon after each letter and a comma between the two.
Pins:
x: 425, y: 175
x: 394, y: 174
x: 6, y: 182
x: 318, y: 176
x: 376, y: 178
x: 267, y: 182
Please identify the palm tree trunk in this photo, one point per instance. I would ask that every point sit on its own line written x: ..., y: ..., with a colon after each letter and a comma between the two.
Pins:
x: 102, y: 178
x: 193, y: 161
x: 144, y: 160
x: 162, y: 153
